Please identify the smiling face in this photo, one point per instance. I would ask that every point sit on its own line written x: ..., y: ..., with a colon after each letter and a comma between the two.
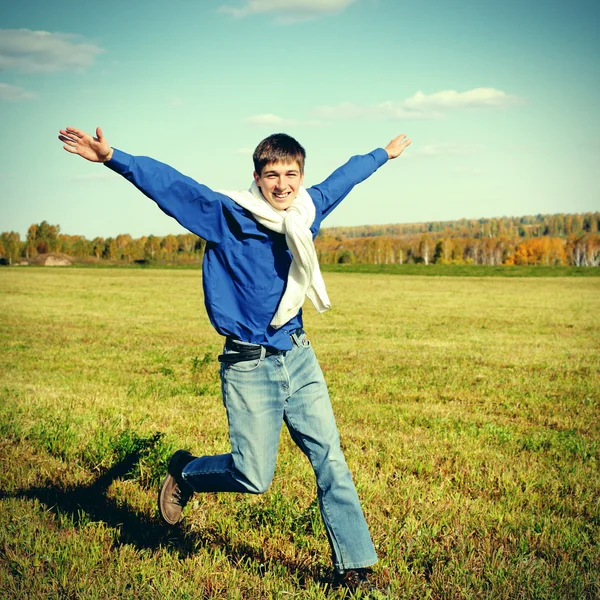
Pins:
x: 279, y: 183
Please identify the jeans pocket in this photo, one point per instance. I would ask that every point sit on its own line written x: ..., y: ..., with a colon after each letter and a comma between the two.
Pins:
x: 243, y: 366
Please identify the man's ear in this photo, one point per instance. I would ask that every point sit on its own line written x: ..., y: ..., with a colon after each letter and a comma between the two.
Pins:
x: 256, y: 178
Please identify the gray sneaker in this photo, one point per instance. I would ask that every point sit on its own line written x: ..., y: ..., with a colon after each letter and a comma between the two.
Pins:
x: 174, y: 493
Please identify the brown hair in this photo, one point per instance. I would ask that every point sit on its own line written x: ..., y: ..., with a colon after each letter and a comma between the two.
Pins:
x: 278, y: 147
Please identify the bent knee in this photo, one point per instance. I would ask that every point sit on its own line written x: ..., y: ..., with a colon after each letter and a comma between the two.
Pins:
x: 258, y: 486
x: 258, y: 482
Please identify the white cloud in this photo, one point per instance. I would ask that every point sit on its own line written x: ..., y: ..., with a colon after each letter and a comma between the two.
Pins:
x: 275, y: 121
x: 14, y: 93
x: 421, y: 106
x: 42, y: 51
x: 449, y: 99
x: 385, y: 110
x: 288, y: 11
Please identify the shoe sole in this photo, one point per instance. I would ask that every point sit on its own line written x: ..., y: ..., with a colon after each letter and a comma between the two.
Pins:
x: 160, y: 501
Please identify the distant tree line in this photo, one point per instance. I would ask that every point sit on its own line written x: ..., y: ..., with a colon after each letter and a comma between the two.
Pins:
x: 583, y: 250
x: 561, y: 239
x: 45, y: 238
x: 556, y: 225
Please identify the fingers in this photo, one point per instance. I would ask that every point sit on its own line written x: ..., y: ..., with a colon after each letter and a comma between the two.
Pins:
x: 70, y: 149
x: 402, y: 141
x: 70, y: 135
x: 399, y: 139
x: 68, y: 140
x: 99, y: 134
x: 77, y: 132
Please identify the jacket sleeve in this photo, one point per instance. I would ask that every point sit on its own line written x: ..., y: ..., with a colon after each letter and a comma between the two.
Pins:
x: 193, y: 205
x: 328, y: 194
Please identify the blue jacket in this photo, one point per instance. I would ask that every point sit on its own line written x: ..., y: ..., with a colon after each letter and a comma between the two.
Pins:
x: 245, y: 265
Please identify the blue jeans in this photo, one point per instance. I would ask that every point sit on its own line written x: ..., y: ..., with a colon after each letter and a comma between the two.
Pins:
x: 259, y: 396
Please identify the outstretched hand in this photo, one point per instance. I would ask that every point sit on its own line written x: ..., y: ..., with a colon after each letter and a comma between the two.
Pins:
x: 397, y: 146
x: 95, y: 149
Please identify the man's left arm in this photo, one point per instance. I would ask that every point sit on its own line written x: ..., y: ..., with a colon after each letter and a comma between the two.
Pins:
x: 328, y: 194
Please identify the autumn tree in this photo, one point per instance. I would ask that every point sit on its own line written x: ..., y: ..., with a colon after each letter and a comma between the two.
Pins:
x: 98, y: 247
x: 399, y: 250
x: 187, y: 242
x: 42, y: 238
x: 584, y: 250
x: 110, y: 249
x: 170, y: 246
x: 425, y: 249
x: 443, y: 252
x: 10, y: 246
x: 152, y: 247
x: 79, y: 246
x: 541, y: 251
x: 590, y: 222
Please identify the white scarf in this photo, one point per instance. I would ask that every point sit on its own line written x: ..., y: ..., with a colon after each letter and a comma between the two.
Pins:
x: 305, y: 277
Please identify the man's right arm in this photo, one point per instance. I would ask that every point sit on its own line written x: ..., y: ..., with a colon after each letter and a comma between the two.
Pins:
x: 193, y: 205
x: 196, y: 207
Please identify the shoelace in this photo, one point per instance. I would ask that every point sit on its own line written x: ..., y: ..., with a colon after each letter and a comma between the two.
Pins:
x: 180, y: 497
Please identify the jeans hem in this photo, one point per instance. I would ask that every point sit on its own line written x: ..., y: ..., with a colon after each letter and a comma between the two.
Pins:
x: 359, y: 565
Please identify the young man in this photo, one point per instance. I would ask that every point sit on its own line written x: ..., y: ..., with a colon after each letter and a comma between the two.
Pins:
x: 259, y: 265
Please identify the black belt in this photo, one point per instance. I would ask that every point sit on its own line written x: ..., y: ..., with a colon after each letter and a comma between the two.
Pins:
x: 247, y: 351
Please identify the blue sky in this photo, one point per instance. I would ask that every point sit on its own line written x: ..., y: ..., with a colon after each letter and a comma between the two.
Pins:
x: 500, y: 99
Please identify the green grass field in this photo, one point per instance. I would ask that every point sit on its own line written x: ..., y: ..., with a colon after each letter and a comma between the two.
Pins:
x: 467, y: 406
x: 439, y: 270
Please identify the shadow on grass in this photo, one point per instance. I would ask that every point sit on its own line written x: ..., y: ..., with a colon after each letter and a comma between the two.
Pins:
x: 91, y: 503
